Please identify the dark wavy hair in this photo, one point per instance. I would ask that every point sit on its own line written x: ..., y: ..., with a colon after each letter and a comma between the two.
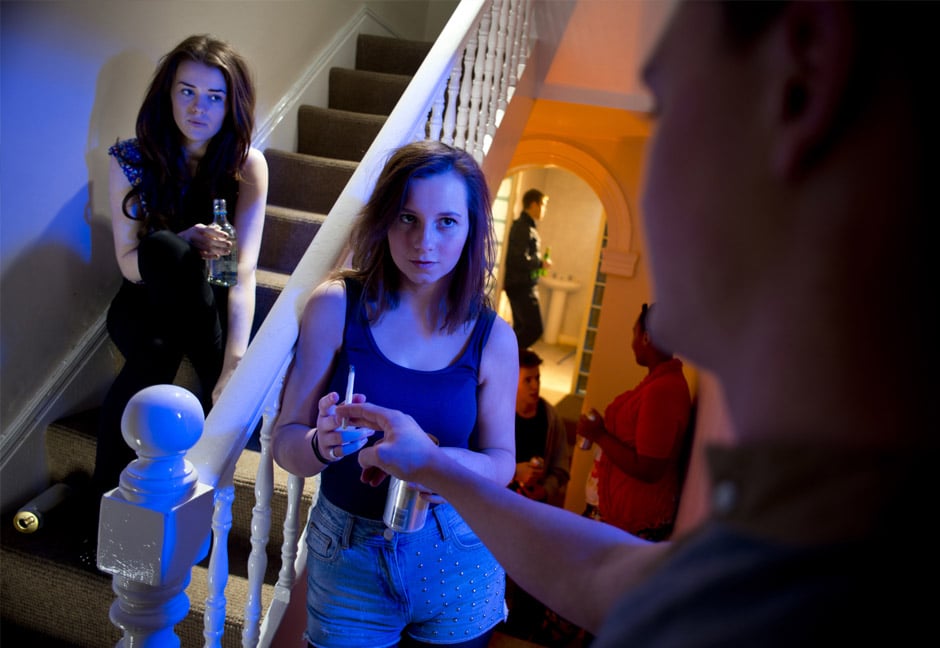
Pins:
x: 372, y: 261
x: 165, y: 175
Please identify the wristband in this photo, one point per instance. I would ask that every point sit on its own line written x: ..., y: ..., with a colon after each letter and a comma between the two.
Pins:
x: 316, y: 450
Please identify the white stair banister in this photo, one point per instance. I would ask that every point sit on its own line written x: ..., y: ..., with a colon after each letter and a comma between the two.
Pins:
x: 148, y: 534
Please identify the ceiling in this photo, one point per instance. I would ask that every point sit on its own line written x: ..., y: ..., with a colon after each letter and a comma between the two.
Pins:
x: 590, y: 53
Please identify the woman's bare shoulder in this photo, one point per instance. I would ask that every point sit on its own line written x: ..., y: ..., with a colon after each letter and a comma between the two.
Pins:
x: 328, y: 297
x: 255, y: 166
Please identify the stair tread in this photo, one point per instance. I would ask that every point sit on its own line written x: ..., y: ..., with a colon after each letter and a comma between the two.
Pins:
x: 348, y: 115
x: 372, y: 74
x: 271, y: 278
x: 289, y: 213
x: 311, y: 159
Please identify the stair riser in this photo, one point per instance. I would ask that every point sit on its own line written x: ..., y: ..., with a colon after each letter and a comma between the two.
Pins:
x: 391, y: 55
x: 336, y: 133
x: 365, y: 92
x: 308, y: 185
x: 285, y: 241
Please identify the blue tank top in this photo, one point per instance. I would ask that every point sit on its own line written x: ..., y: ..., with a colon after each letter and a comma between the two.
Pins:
x: 443, y: 402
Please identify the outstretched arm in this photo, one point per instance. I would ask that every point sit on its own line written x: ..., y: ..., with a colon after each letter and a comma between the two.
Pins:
x: 592, y: 563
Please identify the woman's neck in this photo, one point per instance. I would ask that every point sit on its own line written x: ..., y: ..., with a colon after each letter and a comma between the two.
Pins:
x: 527, y: 410
x: 193, y: 154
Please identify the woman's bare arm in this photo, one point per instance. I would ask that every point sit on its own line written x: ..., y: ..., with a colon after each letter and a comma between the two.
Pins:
x: 249, y: 226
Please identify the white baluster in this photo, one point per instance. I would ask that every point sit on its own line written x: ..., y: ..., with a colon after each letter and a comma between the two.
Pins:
x: 460, y: 141
x: 508, y: 76
x: 450, y: 115
x: 289, y: 553
x: 476, y: 91
x: 295, y: 491
x: 260, y: 531
x: 217, y: 578
x: 436, y: 119
x: 499, y: 76
x: 155, y: 526
x: 515, y: 31
x: 482, y: 124
x: 525, y: 33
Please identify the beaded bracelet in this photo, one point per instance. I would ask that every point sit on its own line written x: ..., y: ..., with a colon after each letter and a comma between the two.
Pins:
x: 316, y: 450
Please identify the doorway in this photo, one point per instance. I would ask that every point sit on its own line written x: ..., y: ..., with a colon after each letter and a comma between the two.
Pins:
x: 573, y: 229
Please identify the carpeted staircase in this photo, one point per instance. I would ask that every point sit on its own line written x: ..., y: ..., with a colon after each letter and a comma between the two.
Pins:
x: 49, y: 597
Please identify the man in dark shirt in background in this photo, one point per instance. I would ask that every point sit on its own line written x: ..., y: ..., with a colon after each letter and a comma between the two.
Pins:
x: 523, y: 264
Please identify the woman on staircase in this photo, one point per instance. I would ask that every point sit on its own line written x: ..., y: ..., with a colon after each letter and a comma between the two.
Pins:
x: 413, y: 318
x: 193, y: 145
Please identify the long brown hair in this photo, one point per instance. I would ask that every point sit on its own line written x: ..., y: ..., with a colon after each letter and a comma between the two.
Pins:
x: 372, y: 261
x: 165, y: 178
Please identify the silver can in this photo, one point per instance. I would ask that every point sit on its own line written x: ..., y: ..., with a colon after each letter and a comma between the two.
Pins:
x: 406, y: 508
x: 584, y: 443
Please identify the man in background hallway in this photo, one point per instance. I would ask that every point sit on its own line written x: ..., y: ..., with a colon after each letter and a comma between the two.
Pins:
x: 524, y: 266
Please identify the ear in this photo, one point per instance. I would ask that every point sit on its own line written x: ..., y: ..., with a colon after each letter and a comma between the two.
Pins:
x: 814, y: 47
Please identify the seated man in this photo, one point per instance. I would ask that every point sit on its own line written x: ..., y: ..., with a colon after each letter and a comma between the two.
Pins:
x: 543, y: 454
x: 543, y: 459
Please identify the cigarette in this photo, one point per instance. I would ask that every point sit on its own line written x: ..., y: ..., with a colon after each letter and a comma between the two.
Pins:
x: 349, y: 384
x: 349, y: 389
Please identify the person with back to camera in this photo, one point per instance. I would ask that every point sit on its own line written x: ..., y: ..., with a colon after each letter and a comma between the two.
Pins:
x: 641, y: 438
x: 193, y: 145
x: 413, y: 319
x: 523, y: 263
x: 797, y: 267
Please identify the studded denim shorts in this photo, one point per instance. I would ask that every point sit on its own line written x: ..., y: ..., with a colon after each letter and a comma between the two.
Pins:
x: 367, y: 585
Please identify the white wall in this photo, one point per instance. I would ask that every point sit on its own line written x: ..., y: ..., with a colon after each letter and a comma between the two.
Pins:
x: 73, y: 75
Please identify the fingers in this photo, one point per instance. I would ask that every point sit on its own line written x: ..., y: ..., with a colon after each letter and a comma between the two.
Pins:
x: 211, y: 241
x: 325, y: 406
x: 373, y: 475
x: 378, y: 418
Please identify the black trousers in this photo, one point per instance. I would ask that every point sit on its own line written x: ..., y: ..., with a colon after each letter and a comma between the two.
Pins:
x: 173, y: 312
x: 526, y: 315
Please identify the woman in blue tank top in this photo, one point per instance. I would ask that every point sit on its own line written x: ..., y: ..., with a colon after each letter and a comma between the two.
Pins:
x: 414, y: 320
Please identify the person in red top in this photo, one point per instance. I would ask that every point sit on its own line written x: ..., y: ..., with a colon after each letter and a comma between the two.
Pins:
x: 641, y: 438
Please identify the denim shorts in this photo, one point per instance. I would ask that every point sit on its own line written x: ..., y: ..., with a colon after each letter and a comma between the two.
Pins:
x: 368, y: 585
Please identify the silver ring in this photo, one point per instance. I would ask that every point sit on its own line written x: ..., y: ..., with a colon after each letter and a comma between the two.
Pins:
x: 333, y: 453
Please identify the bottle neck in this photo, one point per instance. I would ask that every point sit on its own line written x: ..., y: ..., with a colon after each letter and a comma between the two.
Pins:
x: 219, y: 211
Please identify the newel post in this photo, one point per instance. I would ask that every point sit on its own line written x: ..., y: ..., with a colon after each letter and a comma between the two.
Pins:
x: 155, y: 526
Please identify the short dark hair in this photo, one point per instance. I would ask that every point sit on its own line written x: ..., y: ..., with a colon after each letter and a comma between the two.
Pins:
x: 529, y: 358
x: 532, y: 196
x: 645, y: 310
x: 466, y: 297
